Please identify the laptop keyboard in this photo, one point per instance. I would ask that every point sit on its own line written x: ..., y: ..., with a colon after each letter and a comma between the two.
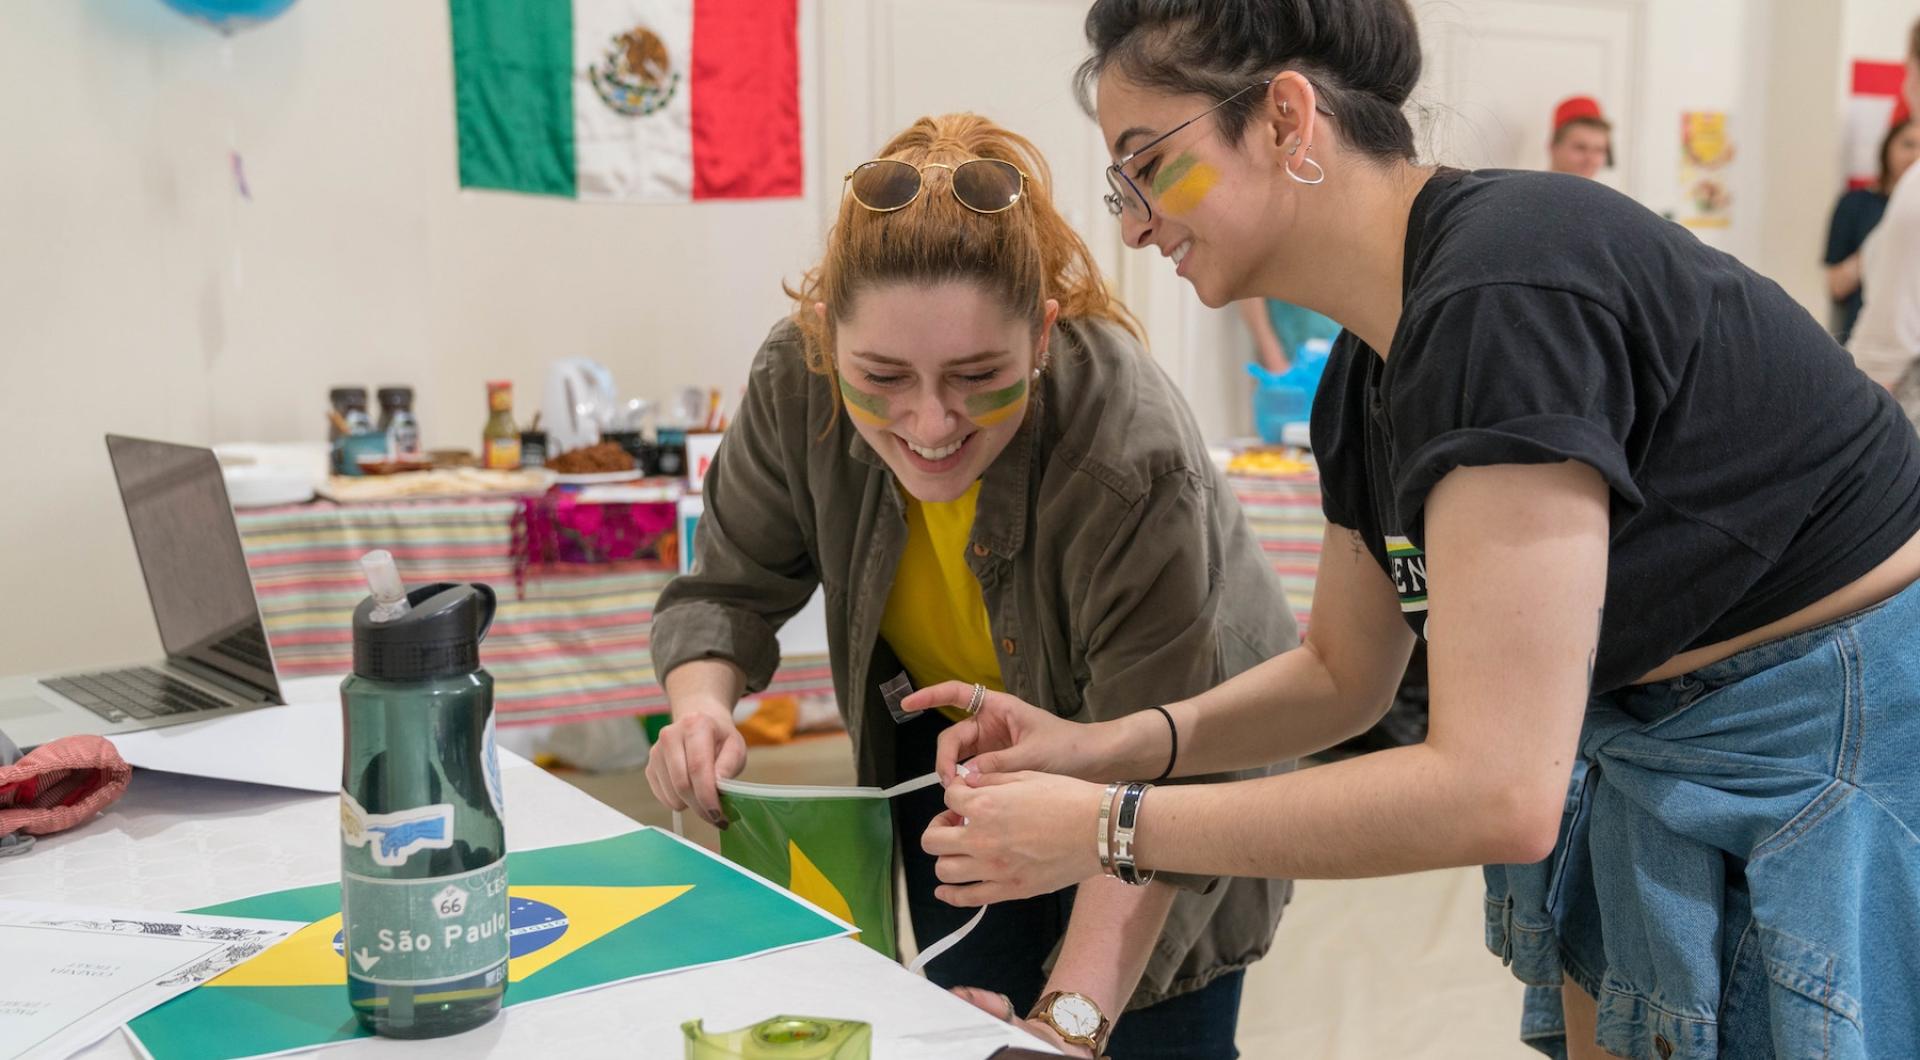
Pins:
x: 136, y: 692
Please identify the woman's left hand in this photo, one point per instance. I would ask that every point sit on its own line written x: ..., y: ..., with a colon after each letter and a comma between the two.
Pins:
x: 1013, y: 835
x: 1000, y: 1007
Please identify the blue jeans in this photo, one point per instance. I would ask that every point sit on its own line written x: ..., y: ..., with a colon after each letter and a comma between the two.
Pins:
x: 1008, y: 952
x: 1738, y: 872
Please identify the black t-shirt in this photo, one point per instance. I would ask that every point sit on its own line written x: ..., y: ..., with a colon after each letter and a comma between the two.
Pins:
x: 1753, y: 470
x: 1854, y: 216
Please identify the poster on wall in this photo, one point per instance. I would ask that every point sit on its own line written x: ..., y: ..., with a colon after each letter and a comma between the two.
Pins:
x: 629, y: 100
x: 1706, y: 159
x: 1873, y: 106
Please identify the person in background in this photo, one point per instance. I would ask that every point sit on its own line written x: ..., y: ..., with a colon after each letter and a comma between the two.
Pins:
x: 958, y: 436
x: 1280, y: 328
x: 1886, y: 336
x: 1856, y: 215
x: 1582, y: 138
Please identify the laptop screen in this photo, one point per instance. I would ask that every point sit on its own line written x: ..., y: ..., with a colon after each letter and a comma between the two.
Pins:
x: 189, y: 550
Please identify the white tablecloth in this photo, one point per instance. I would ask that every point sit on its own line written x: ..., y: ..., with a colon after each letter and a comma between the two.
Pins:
x: 177, y: 842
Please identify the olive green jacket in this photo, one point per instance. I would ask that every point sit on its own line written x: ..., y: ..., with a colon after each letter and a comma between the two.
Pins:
x: 1117, y: 570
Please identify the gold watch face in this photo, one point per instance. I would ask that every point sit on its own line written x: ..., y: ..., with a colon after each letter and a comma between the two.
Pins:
x: 1075, y: 1015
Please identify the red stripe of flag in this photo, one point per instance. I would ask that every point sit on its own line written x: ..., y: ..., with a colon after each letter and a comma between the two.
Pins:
x: 746, y: 99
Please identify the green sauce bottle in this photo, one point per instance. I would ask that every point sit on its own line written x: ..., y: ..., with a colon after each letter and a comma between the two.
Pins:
x: 423, y: 872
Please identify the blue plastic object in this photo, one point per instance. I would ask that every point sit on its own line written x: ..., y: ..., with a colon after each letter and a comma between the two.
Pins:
x: 1280, y: 398
x: 230, y: 15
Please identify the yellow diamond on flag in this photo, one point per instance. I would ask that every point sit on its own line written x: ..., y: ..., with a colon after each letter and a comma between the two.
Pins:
x: 590, y: 912
x: 572, y: 916
x: 810, y: 883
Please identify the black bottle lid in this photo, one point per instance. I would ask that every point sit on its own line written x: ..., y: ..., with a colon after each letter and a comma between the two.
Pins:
x: 439, y: 637
x: 348, y: 397
x: 396, y: 396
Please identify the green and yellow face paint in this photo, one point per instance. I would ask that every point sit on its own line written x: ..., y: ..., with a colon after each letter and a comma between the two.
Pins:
x: 870, y: 409
x: 1183, y: 183
x: 994, y: 407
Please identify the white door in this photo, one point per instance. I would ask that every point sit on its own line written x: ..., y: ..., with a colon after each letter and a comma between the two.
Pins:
x: 888, y: 62
x: 1495, y: 69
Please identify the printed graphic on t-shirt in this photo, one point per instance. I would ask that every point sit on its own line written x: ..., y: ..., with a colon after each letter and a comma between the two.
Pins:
x: 1408, y: 567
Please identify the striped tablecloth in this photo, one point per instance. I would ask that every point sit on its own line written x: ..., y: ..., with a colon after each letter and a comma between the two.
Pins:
x: 1284, y: 514
x: 576, y: 646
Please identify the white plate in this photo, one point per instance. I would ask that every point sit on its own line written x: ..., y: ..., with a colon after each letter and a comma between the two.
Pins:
x: 599, y: 477
x: 267, y: 487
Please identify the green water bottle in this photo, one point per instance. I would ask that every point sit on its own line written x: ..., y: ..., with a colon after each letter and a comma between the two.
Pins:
x: 423, y: 871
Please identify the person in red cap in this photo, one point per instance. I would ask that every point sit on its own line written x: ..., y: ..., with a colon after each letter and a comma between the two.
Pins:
x: 1582, y: 138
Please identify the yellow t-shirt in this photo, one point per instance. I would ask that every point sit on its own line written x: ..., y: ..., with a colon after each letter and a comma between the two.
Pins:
x: 936, y: 617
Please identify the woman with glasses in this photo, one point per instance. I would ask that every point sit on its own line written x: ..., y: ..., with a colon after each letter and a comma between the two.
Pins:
x: 958, y: 437
x: 1658, y: 534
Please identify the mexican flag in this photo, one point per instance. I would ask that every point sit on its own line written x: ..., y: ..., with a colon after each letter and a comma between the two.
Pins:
x: 831, y: 846
x: 629, y: 100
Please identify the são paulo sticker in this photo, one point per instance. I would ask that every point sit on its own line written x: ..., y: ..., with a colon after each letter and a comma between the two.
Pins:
x: 419, y: 932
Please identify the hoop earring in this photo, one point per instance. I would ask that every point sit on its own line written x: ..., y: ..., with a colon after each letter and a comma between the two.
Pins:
x: 1307, y: 161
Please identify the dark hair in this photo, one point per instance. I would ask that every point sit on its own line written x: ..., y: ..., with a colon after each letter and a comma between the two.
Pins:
x: 1913, y: 41
x: 1885, y: 182
x: 1363, y: 57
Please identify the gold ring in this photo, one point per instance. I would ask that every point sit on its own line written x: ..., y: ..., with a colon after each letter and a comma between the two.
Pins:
x: 973, y: 707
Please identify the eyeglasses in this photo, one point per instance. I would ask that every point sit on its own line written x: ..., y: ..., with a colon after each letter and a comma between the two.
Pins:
x: 1125, y: 197
x: 983, y: 185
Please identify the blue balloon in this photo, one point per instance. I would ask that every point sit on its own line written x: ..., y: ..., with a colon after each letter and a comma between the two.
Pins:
x: 230, y: 15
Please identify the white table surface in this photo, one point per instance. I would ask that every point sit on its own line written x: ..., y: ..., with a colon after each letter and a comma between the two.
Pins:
x: 177, y: 842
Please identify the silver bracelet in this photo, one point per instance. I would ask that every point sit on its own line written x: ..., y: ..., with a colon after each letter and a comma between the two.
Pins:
x: 1102, y: 842
x: 1124, y: 823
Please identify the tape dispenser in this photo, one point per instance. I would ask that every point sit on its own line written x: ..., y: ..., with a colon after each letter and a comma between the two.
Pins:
x: 782, y: 1038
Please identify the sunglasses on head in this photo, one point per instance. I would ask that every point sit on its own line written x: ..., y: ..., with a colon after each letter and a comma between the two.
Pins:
x: 983, y: 185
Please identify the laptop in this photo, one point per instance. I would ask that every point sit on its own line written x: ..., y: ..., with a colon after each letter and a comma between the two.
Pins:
x: 217, y: 660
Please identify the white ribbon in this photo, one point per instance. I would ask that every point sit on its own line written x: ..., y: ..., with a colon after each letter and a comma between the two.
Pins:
x: 945, y: 944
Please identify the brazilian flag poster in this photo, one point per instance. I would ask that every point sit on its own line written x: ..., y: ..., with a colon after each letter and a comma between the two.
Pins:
x: 579, y: 917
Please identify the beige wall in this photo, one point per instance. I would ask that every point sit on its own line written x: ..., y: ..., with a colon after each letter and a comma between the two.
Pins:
x: 139, y: 295
x: 1877, y: 29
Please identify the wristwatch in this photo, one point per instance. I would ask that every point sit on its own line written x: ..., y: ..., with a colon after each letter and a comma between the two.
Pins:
x: 1075, y: 1018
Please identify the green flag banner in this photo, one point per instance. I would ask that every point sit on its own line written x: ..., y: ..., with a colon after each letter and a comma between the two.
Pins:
x: 831, y: 846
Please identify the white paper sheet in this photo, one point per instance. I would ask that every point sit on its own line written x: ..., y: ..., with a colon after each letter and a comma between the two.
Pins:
x: 75, y: 973
x: 292, y: 746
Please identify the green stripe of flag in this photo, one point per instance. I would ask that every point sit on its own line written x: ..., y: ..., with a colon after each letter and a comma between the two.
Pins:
x: 513, y: 94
